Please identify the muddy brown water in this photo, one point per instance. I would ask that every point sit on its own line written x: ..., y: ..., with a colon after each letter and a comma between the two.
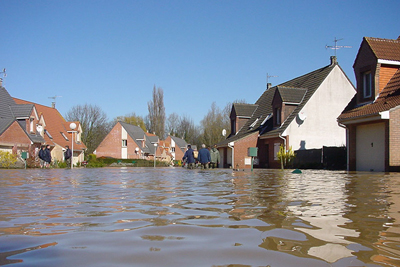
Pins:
x: 180, y: 217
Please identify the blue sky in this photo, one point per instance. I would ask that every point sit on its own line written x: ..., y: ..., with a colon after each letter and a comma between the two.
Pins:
x: 112, y: 53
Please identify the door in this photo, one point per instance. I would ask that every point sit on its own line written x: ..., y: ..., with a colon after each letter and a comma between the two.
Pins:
x: 370, y: 147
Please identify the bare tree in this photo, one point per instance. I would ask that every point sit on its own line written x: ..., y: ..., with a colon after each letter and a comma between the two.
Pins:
x: 94, y: 123
x: 132, y: 119
x: 173, y: 123
x: 157, y: 113
x: 212, y: 126
x: 187, y: 130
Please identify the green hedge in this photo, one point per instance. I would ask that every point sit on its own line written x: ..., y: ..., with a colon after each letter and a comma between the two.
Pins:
x: 94, y: 162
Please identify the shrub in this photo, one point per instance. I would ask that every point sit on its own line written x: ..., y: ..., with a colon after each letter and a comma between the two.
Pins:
x: 7, y: 159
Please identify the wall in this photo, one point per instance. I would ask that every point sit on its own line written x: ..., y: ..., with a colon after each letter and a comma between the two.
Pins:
x: 320, y: 128
x: 16, y: 134
x: 394, y: 139
x: 241, y: 148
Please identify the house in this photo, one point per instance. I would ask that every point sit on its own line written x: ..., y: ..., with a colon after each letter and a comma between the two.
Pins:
x: 19, y: 127
x: 127, y: 141
x: 372, y: 117
x: 177, y: 146
x: 300, y: 113
x: 57, y: 133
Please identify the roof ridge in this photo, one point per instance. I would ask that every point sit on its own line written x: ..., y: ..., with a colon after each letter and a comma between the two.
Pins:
x: 382, y: 39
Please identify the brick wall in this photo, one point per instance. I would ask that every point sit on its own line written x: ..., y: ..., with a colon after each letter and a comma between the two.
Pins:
x: 15, y: 135
x: 111, y: 146
x: 241, y: 148
x: 385, y: 74
x: 394, y: 138
x: 351, y: 146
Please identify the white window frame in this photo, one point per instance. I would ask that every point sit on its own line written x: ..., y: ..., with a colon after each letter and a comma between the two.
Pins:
x: 367, y: 84
x: 124, y: 143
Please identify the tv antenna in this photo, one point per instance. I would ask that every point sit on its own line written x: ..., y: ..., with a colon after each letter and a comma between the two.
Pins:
x: 53, y: 104
x: 336, y: 47
x: 4, y: 73
x: 269, y: 76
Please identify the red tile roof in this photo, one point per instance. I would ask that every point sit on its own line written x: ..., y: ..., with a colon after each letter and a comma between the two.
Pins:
x: 387, y: 99
x: 387, y: 49
x: 56, y: 125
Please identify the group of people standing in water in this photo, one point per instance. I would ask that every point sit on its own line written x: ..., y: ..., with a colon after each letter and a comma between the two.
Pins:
x: 206, y: 157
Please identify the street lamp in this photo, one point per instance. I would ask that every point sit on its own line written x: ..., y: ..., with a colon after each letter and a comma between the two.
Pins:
x: 73, y: 127
x: 155, y: 152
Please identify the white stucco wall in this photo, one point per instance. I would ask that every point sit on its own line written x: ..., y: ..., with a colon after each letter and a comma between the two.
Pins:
x: 320, y: 127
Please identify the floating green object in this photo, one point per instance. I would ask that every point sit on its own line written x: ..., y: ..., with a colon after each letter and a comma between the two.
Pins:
x: 296, y: 171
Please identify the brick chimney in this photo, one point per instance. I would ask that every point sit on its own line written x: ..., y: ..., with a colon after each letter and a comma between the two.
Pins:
x: 333, y: 60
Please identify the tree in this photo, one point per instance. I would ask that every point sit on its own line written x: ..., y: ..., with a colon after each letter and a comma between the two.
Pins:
x: 187, y: 130
x: 94, y: 123
x: 132, y: 119
x: 173, y: 123
x: 212, y: 126
x: 156, y: 115
x: 227, y: 112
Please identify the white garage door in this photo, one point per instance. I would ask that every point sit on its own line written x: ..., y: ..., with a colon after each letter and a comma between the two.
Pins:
x: 370, y: 147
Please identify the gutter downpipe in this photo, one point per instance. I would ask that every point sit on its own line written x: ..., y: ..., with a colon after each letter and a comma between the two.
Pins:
x: 231, y: 145
x: 284, y: 140
x: 347, y: 148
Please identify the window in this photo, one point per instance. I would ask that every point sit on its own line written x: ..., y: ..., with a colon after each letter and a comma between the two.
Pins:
x: 65, y: 137
x: 173, y: 149
x: 124, y: 143
x: 48, y: 134
x: 277, y: 116
x: 31, y: 125
x: 367, y: 84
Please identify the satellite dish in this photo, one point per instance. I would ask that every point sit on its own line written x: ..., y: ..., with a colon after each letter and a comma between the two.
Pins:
x: 39, y: 128
x: 223, y: 132
x: 302, y: 115
x: 137, y: 150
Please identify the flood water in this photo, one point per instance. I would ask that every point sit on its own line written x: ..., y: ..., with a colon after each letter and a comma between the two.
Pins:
x: 180, y: 217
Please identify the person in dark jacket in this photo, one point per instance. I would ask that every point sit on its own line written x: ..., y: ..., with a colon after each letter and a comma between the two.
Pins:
x: 67, y: 156
x: 42, y: 157
x: 204, y: 157
x: 47, y: 156
x: 188, y: 157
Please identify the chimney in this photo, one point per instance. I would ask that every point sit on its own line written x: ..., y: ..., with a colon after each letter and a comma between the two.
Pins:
x: 333, y: 60
x: 53, y: 104
x: 1, y: 82
x: 269, y: 85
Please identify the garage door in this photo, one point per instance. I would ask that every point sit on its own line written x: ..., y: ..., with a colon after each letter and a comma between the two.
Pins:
x: 370, y: 147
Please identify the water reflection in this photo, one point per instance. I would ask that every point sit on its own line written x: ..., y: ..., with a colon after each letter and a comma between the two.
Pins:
x: 178, y: 217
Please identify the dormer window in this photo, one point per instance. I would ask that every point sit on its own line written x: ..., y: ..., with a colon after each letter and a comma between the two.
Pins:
x: 277, y: 116
x: 367, y: 84
x: 31, y: 126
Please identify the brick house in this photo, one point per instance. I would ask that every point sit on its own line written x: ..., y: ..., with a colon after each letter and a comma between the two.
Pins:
x: 300, y: 113
x: 127, y: 141
x: 18, y: 126
x: 177, y: 147
x: 372, y: 117
x: 57, y: 133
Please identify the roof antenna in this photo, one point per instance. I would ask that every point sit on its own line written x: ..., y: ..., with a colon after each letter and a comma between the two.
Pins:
x: 336, y: 47
x: 53, y: 104
x: 4, y: 75
x: 269, y: 76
